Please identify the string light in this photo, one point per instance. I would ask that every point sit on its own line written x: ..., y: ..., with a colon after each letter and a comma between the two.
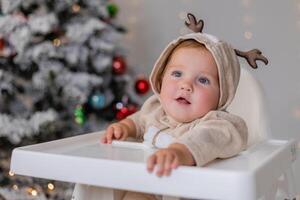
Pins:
x: 32, y: 191
x: 56, y: 42
x: 75, y: 8
x: 119, y: 105
x: 15, y: 187
x: 248, y: 35
x: 50, y: 186
x: 10, y: 173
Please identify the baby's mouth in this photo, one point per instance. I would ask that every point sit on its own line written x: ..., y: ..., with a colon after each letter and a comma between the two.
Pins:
x: 182, y: 100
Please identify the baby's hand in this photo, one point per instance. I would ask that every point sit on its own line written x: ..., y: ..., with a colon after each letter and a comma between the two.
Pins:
x: 115, y: 131
x: 165, y: 159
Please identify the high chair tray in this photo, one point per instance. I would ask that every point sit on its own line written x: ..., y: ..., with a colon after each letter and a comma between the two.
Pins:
x: 83, y: 159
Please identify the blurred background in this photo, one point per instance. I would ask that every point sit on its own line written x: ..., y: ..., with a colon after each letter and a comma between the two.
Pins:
x: 73, y: 66
x: 63, y: 72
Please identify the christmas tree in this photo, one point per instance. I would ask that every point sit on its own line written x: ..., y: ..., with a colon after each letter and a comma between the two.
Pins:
x: 62, y: 73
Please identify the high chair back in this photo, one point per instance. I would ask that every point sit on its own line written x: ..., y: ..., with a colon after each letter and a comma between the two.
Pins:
x: 249, y: 103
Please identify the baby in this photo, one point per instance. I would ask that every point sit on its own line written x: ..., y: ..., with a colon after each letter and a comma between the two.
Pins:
x: 187, y: 89
x: 194, y: 80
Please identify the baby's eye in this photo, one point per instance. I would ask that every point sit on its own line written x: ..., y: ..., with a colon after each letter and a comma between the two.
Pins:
x: 204, y: 80
x: 176, y: 73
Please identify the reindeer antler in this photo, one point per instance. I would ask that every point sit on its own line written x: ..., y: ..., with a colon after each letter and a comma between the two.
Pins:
x: 193, y: 24
x: 251, y: 57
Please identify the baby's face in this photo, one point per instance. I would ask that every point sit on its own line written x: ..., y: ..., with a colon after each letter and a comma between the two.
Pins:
x: 190, y: 84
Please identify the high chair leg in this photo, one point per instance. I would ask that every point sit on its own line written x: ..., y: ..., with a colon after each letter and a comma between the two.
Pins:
x: 290, y: 184
x: 84, y: 192
x: 271, y: 193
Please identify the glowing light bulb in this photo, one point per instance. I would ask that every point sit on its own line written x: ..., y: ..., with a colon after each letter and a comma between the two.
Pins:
x: 32, y: 191
x: 75, y: 8
x: 248, y: 35
x: 56, y: 42
x: 119, y: 105
x: 15, y: 187
x: 51, y: 186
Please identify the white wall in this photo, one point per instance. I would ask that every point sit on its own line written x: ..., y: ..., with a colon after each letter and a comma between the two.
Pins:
x: 275, y: 28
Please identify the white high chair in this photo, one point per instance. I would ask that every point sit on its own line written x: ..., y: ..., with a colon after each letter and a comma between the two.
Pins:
x: 103, y: 171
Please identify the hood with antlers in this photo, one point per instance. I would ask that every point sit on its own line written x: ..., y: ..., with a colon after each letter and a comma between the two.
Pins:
x: 224, y: 54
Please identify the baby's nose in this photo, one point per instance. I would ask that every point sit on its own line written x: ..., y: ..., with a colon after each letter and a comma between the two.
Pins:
x: 186, y: 87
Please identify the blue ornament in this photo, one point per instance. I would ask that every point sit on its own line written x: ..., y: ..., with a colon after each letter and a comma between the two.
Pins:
x: 97, y: 101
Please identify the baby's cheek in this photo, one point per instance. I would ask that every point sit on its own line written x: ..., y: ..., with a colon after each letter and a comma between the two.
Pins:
x: 167, y: 91
x: 207, y: 101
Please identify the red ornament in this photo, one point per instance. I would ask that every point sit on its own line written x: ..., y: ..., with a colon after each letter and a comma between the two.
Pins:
x: 141, y: 86
x: 119, y: 65
x: 2, y: 44
x: 125, y: 111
